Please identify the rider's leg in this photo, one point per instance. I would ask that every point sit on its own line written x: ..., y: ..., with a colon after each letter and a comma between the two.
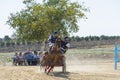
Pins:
x: 50, y: 47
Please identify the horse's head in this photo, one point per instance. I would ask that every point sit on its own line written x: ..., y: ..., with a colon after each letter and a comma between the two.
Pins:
x: 57, y: 44
x: 55, y: 48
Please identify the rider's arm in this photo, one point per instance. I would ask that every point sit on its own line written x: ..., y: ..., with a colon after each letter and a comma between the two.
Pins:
x: 50, y: 38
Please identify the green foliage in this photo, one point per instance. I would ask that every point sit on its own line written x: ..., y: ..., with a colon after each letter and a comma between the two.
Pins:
x: 23, y: 43
x: 37, y: 21
x: 2, y: 44
x: 7, y: 44
x: 18, y: 43
x: 12, y: 43
x: 7, y: 38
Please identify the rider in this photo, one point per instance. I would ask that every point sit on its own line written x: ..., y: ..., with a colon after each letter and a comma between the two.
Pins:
x: 52, y: 40
x: 65, y: 44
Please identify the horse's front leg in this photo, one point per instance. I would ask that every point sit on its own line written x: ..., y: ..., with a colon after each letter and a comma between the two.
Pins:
x: 50, y: 69
x: 46, y: 68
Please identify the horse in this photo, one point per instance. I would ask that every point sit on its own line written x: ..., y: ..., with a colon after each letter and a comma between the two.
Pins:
x: 50, y: 59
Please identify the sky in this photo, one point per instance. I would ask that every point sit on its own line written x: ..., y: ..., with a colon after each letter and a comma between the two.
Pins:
x: 103, y: 18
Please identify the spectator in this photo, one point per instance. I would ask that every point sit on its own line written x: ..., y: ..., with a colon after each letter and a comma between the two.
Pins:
x: 38, y: 58
x: 29, y: 57
x: 34, y: 61
x: 20, y: 59
x: 15, y: 59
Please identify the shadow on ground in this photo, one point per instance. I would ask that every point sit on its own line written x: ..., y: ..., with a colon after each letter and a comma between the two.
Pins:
x: 65, y: 75
x: 61, y: 74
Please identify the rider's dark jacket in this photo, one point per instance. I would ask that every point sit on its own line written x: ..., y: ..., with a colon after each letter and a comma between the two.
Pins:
x: 52, y: 39
x: 64, y: 46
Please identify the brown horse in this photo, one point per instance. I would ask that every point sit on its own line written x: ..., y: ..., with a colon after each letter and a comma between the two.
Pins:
x: 50, y: 59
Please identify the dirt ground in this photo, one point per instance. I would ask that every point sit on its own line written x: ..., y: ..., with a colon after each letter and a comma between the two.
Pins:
x: 77, y: 69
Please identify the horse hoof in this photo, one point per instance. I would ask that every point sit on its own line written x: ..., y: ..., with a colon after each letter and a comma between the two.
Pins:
x: 51, y: 74
x: 47, y: 73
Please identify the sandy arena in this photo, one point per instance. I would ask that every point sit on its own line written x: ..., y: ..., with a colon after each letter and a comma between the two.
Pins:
x: 92, y: 69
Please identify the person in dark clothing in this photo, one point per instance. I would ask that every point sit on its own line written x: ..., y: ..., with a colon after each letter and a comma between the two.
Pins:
x: 15, y: 59
x: 29, y: 58
x: 34, y: 61
x: 20, y: 59
x: 65, y: 45
x: 51, y: 40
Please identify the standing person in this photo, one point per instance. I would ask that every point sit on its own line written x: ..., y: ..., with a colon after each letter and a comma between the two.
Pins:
x: 34, y: 61
x: 20, y: 59
x: 15, y: 59
x: 29, y: 58
x: 52, y: 40
x: 38, y: 58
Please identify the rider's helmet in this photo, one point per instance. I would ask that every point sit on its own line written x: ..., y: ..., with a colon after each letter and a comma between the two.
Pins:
x: 66, y: 38
x: 55, y: 33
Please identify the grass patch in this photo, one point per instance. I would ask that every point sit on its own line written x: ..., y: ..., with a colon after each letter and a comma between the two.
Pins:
x: 91, y: 51
x: 6, y: 57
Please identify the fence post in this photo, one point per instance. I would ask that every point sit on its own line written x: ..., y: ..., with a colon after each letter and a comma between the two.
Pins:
x: 115, y: 56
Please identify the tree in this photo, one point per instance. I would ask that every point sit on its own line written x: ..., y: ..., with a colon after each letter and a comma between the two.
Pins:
x: 7, y: 38
x: 103, y: 37
x: 2, y: 44
x: 87, y: 38
x: 37, y: 21
x: 0, y: 39
x: 77, y: 38
x: 12, y: 43
x: 8, y: 44
x: 18, y: 43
